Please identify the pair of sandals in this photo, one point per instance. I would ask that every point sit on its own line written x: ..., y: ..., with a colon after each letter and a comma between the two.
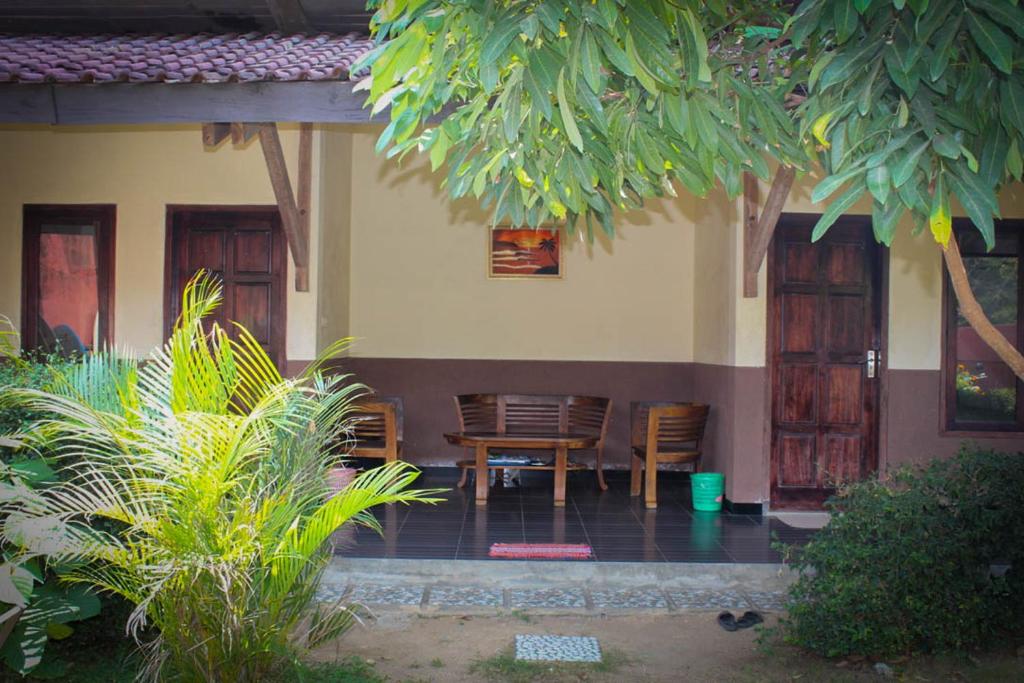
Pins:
x: 730, y: 623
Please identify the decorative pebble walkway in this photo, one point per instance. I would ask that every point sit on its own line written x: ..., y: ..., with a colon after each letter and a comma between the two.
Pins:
x: 582, y: 599
x: 557, y: 649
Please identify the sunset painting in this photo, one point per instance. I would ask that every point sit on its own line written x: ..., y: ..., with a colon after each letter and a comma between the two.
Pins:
x: 525, y: 253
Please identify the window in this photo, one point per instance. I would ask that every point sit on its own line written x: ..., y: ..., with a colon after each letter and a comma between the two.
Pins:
x: 981, y: 392
x: 68, y: 278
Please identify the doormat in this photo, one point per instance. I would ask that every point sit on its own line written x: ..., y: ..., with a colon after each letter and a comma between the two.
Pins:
x: 545, y: 551
x: 557, y: 649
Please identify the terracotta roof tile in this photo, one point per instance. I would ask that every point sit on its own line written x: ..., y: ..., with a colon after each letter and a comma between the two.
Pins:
x: 204, y: 57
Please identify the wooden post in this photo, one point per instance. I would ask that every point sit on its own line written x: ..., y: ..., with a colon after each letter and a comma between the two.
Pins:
x: 305, y: 193
x: 751, y: 200
x: 270, y: 141
x: 756, y: 245
x: 241, y: 133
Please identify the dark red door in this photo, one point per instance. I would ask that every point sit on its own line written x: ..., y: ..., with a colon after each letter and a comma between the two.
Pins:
x: 825, y: 328
x: 245, y: 248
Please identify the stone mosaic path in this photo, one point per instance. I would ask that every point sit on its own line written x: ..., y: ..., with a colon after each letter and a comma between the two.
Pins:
x: 573, y: 599
x: 557, y: 649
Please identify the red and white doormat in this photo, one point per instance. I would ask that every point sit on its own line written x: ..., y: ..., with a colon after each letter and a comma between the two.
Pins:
x: 544, y: 551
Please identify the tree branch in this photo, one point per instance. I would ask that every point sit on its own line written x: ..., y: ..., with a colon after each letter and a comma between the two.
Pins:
x: 972, y: 311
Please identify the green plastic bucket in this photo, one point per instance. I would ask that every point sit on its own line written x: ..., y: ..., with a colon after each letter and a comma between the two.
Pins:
x: 707, y: 491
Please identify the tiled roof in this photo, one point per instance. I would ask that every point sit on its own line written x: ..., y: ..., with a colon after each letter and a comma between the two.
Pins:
x: 196, y: 58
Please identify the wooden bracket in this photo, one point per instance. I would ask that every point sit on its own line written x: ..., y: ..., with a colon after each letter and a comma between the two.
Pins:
x: 757, y: 233
x: 295, y: 211
x: 215, y: 133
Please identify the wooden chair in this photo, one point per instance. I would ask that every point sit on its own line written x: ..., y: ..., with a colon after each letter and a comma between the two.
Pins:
x: 663, y: 433
x: 378, y: 429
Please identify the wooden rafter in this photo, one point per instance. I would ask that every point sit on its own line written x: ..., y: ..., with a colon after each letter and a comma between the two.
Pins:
x: 293, y: 206
x: 215, y: 133
x: 757, y: 232
x: 289, y: 15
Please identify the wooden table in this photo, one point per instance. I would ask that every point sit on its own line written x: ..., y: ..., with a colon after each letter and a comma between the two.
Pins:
x: 559, y: 442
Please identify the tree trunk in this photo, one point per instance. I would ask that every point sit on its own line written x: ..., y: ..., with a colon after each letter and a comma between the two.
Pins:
x: 972, y: 311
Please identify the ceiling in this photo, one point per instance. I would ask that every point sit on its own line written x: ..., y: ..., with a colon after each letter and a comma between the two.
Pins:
x: 182, y: 16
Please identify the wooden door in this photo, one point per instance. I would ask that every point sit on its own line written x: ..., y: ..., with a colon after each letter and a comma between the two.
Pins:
x: 825, y: 318
x: 245, y: 248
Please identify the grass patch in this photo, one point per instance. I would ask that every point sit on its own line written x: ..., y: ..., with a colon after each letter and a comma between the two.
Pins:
x: 347, y: 670
x: 506, y: 668
x: 437, y: 663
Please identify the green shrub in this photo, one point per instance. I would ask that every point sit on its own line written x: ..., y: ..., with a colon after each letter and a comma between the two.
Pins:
x: 904, y: 565
x: 195, y: 489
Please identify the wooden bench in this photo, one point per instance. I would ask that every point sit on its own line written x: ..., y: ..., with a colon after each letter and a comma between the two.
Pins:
x: 378, y: 428
x: 536, y: 415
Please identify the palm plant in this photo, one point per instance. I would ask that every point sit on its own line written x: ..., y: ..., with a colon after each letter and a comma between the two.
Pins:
x: 207, y: 468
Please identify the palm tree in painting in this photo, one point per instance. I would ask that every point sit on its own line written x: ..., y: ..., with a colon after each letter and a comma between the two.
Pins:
x: 550, y: 246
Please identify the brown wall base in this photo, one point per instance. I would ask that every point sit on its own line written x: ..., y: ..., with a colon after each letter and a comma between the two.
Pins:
x: 738, y: 431
x: 427, y: 386
x: 914, y: 426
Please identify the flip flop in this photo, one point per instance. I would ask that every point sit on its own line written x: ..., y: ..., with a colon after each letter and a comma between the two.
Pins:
x: 727, y: 621
x: 749, y: 619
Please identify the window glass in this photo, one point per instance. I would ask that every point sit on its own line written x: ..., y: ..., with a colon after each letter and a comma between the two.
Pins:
x: 68, y: 313
x: 985, y: 386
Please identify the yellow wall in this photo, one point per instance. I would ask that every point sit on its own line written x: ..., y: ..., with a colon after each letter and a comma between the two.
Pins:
x: 335, y: 237
x: 420, y: 287
x: 141, y: 170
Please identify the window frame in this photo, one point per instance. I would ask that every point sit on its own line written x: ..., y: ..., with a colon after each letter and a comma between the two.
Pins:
x: 949, y: 424
x: 103, y: 217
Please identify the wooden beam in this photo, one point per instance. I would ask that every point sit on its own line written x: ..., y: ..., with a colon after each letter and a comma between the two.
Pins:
x: 289, y: 16
x: 215, y: 133
x: 756, y: 243
x: 242, y: 133
x: 270, y: 141
x: 304, y: 199
x: 751, y: 200
x: 118, y: 103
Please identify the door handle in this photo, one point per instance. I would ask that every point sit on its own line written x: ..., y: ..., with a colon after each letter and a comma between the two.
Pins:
x: 873, y: 360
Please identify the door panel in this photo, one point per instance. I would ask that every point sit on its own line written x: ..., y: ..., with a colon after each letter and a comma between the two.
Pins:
x: 826, y: 315
x: 245, y: 248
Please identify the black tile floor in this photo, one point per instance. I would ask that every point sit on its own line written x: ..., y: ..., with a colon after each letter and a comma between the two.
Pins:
x: 617, y: 527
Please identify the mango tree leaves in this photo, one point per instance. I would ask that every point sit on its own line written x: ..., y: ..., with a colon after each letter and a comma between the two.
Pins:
x: 554, y: 110
x: 944, y: 118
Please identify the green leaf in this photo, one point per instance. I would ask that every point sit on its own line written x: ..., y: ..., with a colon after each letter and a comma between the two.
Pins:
x: 947, y: 146
x: 590, y: 56
x: 837, y: 208
x: 34, y: 471
x: 1006, y: 14
x: 903, y: 169
x: 845, y: 16
x: 862, y: 5
x: 439, y: 149
x: 943, y: 48
x: 566, y: 112
x: 57, y: 631
x: 977, y: 205
x: 829, y: 185
x: 885, y: 219
x: 919, y: 7
x: 1014, y: 162
x: 878, y: 183
x: 993, y: 157
x: 497, y: 39
x: 1011, y: 102
x: 996, y: 45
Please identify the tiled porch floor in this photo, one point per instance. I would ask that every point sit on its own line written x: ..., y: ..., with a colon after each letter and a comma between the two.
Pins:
x: 616, y: 526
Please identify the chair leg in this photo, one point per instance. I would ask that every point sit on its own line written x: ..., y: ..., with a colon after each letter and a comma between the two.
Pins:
x: 599, y: 468
x: 634, y: 475
x: 651, y: 481
x: 465, y: 476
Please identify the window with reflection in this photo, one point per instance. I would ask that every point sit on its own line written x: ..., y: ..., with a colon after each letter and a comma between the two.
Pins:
x: 68, y: 267
x: 982, y: 393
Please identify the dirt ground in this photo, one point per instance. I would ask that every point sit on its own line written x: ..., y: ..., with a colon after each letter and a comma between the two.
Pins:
x: 688, y: 646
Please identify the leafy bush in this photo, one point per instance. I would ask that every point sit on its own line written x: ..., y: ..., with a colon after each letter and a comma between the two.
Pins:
x: 210, y: 470
x: 904, y: 565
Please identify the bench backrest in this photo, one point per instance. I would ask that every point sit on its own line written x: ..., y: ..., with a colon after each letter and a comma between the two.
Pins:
x: 673, y: 424
x: 533, y: 414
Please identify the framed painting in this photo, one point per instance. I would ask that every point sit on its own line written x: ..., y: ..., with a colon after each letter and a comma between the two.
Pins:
x: 524, y: 253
